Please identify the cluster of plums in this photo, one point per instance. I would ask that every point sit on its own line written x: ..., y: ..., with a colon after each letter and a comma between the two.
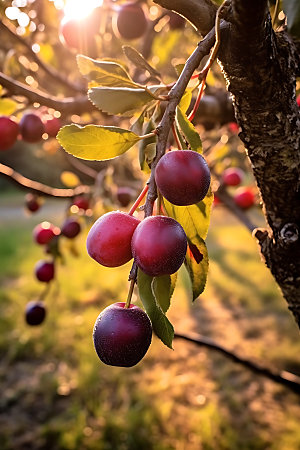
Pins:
x: 158, y: 245
x: 130, y: 22
x: 243, y: 196
x: 47, y: 234
x: 30, y: 128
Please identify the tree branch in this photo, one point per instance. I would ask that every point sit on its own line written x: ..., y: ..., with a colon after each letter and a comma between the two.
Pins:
x: 69, y: 105
x: 53, y: 73
x: 285, y: 378
x: 41, y: 188
x: 174, y: 96
x: 261, y: 68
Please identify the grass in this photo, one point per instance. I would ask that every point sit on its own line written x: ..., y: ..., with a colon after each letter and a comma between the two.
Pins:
x: 57, y: 395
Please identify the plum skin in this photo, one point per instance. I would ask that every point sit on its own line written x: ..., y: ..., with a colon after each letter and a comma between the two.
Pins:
x: 232, y: 176
x: 82, y: 202
x: 31, y: 128
x: 122, y: 335
x: 109, y: 239
x: 124, y: 196
x: 9, y: 130
x: 70, y: 228
x: 244, y: 197
x: 183, y: 177
x: 159, y: 245
x: 44, y: 232
x: 131, y: 21
x: 52, y: 126
x: 35, y: 313
x: 32, y: 202
x: 44, y: 271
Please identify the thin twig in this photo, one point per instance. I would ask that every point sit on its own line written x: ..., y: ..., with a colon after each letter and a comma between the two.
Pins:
x: 285, y: 378
x: 69, y: 105
x: 211, y: 59
x: 228, y: 201
x: 275, y: 13
x: 53, y: 73
x: 175, y: 95
x: 41, y: 188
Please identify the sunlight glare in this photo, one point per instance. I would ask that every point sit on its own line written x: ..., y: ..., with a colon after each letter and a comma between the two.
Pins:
x: 77, y: 9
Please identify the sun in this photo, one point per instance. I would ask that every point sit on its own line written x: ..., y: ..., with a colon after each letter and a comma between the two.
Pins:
x: 78, y: 9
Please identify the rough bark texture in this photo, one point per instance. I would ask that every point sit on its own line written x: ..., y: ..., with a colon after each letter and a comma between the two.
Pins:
x: 261, y: 67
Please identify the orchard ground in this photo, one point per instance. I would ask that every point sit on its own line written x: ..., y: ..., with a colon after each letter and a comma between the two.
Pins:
x: 56, y: 394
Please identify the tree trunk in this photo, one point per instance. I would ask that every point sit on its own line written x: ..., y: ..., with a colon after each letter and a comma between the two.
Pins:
x: 260, y: 68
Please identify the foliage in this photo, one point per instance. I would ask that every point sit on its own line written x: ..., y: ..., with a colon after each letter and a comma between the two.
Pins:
x: 122, y: 123
x: 56, y: 394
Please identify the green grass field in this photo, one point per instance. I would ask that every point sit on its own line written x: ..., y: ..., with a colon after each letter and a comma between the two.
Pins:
x: 57, y: 395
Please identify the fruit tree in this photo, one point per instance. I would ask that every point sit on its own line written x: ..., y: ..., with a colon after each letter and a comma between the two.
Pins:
x: 151, y: 76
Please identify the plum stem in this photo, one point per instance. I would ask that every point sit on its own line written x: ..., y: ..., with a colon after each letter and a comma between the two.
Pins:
x: 138, y: 200
x: 159, y: 203
x: 146, y: 136
x: 210, y: 60
x: 176, y: 137
x: 130, y: 292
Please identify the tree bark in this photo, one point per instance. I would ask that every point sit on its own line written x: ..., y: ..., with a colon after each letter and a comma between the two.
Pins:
x: 260, y: 67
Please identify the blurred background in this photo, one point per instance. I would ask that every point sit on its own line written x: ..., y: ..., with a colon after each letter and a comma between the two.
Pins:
x: 55, y: 393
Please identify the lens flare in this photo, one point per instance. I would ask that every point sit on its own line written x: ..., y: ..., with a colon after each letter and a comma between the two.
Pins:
x: 77, y: 9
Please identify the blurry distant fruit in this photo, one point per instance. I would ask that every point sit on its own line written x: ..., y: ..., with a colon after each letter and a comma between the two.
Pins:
x: 79, y: 33
x: 44, y: 270
x: 232, y: 176
x: 82, y: 202
x: 217, y: 201
x: 44, y: 232
x: 31, y: 128
x: 70, y: 228
x: 32, y: 202
x: 70, y: 32
x: 244, y: 197
x: 233, y: 127
x: 9, y: 130
x: 35, y: 313
x: 124, y: 196
x: 52, y: 126
x: 131, y: 21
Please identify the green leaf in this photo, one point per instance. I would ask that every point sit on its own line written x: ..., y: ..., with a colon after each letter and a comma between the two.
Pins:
x: 119, y: 100
x: 185, y: 101
x: 189, y: 131
x: 196, y: 263
x: 179, y: 68
x: 147, y: 147
x: 292, y: 11
x: 95, y: 142
x: 7, y: 106
x: 137, y: 126
x: 139, y: 61
x: 104, y: 73
x: 162, y: 327
x: 193, y: 218
x: 163, y: 288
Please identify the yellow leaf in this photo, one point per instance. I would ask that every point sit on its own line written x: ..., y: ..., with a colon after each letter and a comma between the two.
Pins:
x: 69, y: 179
